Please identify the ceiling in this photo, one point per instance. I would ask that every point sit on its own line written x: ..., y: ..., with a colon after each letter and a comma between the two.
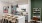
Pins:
x: 15, y: 1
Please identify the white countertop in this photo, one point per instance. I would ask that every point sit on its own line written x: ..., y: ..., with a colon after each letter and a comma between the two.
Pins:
x: 19, y: 17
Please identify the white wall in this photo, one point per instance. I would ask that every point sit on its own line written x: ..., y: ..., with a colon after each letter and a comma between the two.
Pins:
x: 24, y: 6
x: 1, y: 7
x: 28, y: 9
x: 2, y: 4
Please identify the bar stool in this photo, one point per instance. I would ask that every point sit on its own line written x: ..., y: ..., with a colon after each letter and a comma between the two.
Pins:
x: 13, y: 19
x: 3, y: 17
x: 9, y: 19
x: 6, y: 20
